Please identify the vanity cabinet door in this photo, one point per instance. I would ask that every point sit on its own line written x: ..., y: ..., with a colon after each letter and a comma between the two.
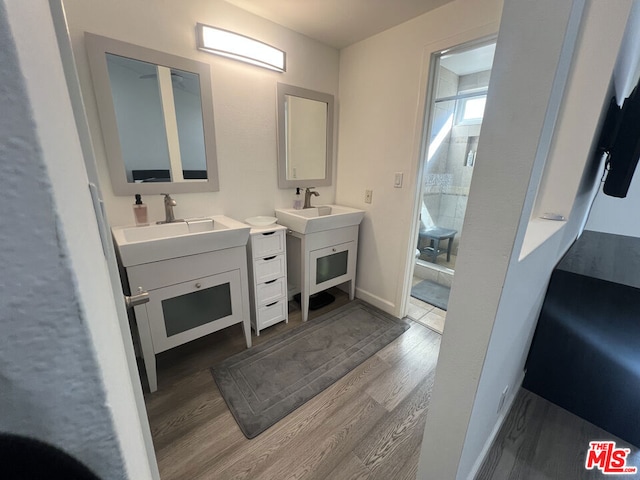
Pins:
x: 186, y: 311
x: 331, y: 266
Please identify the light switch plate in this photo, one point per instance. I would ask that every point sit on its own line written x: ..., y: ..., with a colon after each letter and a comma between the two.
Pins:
x: 368, y: 196
x: 397, y: 182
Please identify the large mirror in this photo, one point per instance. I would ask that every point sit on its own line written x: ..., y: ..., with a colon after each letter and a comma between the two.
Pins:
x: 305, y: 137
x: 156, y: 116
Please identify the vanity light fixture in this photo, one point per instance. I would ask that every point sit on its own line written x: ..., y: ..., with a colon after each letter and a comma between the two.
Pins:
x: 239, y: 47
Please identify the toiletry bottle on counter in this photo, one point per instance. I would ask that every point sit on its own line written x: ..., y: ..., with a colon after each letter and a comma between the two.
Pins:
x: 297, y: 202
x: 140, y: 211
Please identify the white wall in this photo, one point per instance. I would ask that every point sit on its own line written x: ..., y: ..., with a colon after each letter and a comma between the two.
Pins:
x: 496, y: 297
x: 64, y: 377
x: 244, y: 97
x: 617, y: 215
x: 383, y: 83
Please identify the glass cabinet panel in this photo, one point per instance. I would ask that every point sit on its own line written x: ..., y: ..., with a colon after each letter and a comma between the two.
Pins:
x: 197, y: 308
x: 332, y: 266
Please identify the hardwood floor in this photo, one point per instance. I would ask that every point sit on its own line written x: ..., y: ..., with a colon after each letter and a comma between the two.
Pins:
x: 541, y: 441
x: 368, y: 425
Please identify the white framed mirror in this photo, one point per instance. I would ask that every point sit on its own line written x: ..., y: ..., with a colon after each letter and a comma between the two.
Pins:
x: 156, y: 117
x: 305, y: 137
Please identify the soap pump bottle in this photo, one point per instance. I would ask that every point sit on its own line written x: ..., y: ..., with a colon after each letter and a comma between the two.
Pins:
x: 140, y: 211
x: 297, y: 203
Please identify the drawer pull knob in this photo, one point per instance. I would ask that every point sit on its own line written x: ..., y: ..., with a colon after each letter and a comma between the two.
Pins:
x: 333, y: 249
x: 269, y: 258
x: 271, y: 304
x: 270, y: 281
x: 198, y: 285
x: 268, y: 233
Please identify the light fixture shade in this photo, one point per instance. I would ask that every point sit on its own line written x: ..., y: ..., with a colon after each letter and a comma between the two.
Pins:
x: 236, y: 46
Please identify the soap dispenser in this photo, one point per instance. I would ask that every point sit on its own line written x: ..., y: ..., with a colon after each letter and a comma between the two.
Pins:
x: 297, y: 202
x: 140, y: 212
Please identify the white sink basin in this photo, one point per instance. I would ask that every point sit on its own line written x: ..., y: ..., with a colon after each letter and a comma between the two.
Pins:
x: 152, y: 243
x: 320, y: 218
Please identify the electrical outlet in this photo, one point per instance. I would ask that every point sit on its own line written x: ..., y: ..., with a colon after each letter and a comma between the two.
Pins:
x: 368, y: 196
x: 503, y: 398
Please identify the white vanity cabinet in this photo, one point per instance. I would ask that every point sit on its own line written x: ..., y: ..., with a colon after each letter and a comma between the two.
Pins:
x: 320, y: 260
x: 189, y: 297
x: 267, y: 262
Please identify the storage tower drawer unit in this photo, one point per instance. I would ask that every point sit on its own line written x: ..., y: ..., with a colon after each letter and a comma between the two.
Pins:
x: 267, y: 263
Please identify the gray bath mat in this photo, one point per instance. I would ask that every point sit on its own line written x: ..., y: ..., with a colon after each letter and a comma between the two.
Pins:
x: 263, y: 384
x: 432, y: 293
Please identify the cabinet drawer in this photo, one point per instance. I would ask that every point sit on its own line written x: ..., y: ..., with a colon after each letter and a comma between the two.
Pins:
x: 267, y: 243
x: 272, y: 313
x: 269, y: 268
x: 271, y: 291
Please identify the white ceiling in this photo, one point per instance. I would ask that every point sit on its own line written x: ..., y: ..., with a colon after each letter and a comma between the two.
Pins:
x: 338, y: 23
x: 470, y: 61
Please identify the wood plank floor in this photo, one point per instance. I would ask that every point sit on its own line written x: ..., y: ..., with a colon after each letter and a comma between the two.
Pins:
x: 541, y: 441
x: 368, y: 425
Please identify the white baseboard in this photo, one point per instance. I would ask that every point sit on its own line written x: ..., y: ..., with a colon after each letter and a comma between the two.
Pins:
x: 487, y: 445
x: 376, y: 301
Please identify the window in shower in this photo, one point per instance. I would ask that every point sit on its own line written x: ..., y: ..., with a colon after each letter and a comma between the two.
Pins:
x: 472, y: 110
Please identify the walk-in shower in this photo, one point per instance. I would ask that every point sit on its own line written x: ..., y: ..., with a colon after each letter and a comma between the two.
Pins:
x: 459, y: 84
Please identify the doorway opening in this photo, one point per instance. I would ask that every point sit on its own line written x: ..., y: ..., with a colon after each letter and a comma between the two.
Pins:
x: 458, y: 86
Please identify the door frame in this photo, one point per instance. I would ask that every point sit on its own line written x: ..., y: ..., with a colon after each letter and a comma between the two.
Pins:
x: 430, y: 62
x: 141, y: 428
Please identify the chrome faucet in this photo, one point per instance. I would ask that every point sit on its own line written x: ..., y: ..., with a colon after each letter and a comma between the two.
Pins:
x: 307, y: 196
x: 169, y: 203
